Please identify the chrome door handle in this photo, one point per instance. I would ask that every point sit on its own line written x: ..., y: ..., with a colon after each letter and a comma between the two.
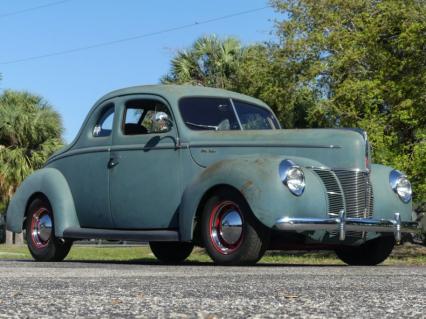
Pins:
x: 112, y: 162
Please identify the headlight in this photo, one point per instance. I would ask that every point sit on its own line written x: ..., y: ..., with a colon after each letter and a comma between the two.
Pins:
x: 292, y: 176
x: 400, y: 185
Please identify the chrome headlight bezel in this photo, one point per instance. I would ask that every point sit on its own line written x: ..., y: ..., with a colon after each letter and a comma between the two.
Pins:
x: 401, y: 185
x: 292, y: 176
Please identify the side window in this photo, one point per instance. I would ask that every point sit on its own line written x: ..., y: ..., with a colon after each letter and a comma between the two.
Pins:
x: 137, y: 119
x: 201, y: 113
x: 104, y: 125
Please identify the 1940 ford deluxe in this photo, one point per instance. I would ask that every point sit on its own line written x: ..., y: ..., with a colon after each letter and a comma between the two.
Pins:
x: 179, y: 166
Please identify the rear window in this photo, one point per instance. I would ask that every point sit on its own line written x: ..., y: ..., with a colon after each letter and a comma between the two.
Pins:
x: 200, y: 113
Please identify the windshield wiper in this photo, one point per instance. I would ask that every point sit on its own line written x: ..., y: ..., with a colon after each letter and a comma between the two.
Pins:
x: 203, y: 126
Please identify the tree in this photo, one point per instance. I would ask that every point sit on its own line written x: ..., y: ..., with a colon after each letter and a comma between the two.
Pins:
x: 266, y: 74
x: 251, y: 70
x: 364, y: 63
x: 30, y: 131
x: 209, y: 62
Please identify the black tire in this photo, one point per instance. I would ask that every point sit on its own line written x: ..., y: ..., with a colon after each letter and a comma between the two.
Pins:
x: 171, y: 252
x: 244, y: 249
x: 371, y: 253
x: 44, y: 246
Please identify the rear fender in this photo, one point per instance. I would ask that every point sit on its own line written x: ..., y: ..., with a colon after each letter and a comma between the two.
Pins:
x: 50, y: 183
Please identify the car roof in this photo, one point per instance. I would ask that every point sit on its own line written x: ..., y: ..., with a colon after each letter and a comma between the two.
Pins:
x: 174, y: 92
x: 171, y: 92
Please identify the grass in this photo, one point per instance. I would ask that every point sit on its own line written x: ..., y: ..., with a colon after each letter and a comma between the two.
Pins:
x: 402, y: 255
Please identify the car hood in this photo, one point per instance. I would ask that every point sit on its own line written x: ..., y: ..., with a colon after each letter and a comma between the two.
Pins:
x: 334, y: 148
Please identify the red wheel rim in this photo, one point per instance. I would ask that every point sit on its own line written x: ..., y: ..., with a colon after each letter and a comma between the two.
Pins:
x: 41, y: 228
x: 226, y: 227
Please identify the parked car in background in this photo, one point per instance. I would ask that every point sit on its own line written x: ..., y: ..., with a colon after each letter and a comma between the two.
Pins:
x: 180, y: 166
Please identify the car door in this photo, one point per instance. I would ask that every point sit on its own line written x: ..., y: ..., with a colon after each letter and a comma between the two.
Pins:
x: 144, y: 175
x: 85, y: 168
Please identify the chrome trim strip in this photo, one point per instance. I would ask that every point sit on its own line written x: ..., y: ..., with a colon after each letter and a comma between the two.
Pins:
x: 343, y: 224
x: 200, y: 145
x: 325, y: 168
x: 139, y: 147
x: 98, y: 149
x: 78, y: 151
x: 334, y: 193
x: 132, y: 147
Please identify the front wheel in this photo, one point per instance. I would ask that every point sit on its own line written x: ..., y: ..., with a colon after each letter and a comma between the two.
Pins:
x: 171, y: 252
x: 230, y: 233
x: 371, y: 253
x: 40, y: 234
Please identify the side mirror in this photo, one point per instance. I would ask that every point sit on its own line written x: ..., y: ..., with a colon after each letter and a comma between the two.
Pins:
x: 161, y: 122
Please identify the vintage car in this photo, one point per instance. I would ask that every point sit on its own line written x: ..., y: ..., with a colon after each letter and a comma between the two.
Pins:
x: 178, y: 166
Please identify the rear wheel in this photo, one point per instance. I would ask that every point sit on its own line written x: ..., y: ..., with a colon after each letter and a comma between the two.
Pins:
x: 230, y: 233
x: 171, y: 252
x: 40, y: 234
x: 371, y: 253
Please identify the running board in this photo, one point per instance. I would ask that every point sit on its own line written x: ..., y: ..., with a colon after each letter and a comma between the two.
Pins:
x: 112, y: 234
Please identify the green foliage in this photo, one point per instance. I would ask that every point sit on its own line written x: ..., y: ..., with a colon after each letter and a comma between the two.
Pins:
x: 364, y: 62
x: 266, y: 74
x: 209, y: 62
x: 30, y: 131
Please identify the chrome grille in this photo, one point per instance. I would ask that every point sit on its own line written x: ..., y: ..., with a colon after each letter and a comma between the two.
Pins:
x: 334, y: 192
x: 358, y: 193
x: 348, y: 189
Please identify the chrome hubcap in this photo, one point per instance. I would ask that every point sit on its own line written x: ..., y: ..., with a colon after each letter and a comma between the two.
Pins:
x: 231, y: 227
x: 226, y: 227
x: 41, y: 228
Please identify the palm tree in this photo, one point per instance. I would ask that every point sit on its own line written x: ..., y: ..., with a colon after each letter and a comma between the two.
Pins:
x: 30, y: 131
x: 209, y: 62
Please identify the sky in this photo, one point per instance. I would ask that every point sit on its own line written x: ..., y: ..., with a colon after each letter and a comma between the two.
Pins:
x: 73, y: 82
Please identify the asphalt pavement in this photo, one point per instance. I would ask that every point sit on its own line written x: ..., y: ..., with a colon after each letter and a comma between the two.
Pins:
x: 123, y: 290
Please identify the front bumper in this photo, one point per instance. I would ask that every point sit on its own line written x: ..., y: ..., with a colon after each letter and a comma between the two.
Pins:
x: 343, y: 224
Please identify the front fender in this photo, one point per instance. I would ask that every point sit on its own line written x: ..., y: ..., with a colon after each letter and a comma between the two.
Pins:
x: 386, y: 201
x: 51, y: 183
x: 258, y: 181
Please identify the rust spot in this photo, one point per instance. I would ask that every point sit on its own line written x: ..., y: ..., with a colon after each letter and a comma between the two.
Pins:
x: 216, y: 167
x: 250, y: 191
x: 246, y: 186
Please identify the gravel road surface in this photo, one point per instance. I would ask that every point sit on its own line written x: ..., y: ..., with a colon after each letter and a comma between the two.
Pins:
x: 118, y: 290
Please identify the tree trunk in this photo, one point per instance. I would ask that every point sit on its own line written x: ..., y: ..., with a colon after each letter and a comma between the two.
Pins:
x: 19, y: 238
x: 9, y: 237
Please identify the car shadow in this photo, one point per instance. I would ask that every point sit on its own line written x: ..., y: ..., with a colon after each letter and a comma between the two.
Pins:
x: 151, y: 262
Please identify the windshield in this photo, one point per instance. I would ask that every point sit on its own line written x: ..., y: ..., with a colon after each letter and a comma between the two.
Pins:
x: 200, y: 113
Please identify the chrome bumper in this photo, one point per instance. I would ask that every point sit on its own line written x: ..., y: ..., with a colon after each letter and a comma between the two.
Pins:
x: 343, y: 224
